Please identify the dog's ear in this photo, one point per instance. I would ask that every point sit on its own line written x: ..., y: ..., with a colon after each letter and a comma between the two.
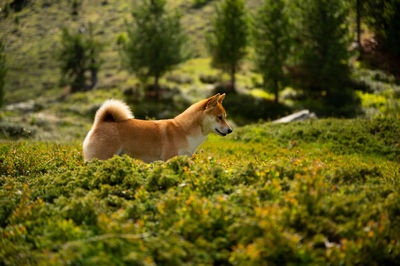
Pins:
x: 212, y: 101
x: 221, y: 98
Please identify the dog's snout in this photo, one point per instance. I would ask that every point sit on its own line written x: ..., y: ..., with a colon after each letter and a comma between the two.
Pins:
x: 230, y: 130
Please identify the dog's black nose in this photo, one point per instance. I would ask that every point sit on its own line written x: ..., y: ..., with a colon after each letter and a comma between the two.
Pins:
x: 229, y: 130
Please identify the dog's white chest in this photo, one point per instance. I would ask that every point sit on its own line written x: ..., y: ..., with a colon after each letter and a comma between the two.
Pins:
x: 193, y: 143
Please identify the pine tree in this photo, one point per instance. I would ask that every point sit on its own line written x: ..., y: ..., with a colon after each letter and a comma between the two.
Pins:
x: 229, y: 37
x: 272, y: 44
x: 155, y: 41
x: 325, y: 58
x: 3, y: 72
x: 75, y: 6
x: 78, y: 55
x: 383, y: 17
x: 18, y: 5
x: 358, y: 9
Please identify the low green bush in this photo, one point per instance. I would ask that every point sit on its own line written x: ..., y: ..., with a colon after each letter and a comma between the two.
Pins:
x: 208, y: 78
x: 200, y: 3
x: 36, y: 158
x: 14, y: 131
x: 372, y: 80
x: 245, y: 109
x: 379, y: 136
x: 171, y: 103
x: 302, y: 193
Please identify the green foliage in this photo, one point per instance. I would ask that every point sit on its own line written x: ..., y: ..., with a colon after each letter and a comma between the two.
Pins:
x: 155, y: 41
x: 75, y: 5
x: 373, y: 81
x: 244, y: 200
x: 244, y: 109
x: 385, y: 104
x: 200, y: 3
x: 79, y: 53
x: 379, y: 95
x: 23, y: 159
x: 18, y: 5
x: 3, y: 72
x: 169, y: 104
x: 15, y: 131
x: 377, y: 136
x: 229, y: 37
x: 324, y: 62
x: 326, y: 41
x: 272, y: 44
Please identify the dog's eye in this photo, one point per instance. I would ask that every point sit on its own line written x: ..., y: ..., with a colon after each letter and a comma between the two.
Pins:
x: 220, y: 117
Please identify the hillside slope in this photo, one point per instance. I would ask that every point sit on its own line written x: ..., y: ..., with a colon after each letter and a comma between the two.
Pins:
x: 31, y: 39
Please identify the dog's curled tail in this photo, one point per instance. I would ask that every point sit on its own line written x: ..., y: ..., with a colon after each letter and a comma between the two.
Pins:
x: 113, y: 111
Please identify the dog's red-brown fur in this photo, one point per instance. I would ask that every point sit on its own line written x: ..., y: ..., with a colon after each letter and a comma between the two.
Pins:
x: 116, y: 132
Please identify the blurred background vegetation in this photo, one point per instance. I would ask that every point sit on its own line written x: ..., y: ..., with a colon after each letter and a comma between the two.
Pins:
x: 59, y: 60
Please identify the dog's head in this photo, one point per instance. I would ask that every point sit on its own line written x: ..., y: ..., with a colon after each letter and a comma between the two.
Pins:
x: 215, y: 115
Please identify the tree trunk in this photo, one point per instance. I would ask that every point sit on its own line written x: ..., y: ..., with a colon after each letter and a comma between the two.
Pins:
x: 276, y: 91
x: 93, y: 78
x: 233, y: 80
x: 157, y: 86
x: 78, y: 84
x: 93, y: 74
x: 358, y: 21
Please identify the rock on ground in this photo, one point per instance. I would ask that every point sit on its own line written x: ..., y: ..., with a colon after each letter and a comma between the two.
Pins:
x: 299, y: 116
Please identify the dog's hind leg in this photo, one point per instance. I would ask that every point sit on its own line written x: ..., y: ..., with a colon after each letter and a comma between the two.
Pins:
x: 101, y: 144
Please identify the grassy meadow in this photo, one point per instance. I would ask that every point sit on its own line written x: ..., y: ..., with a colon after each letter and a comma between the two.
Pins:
x: 317, y: 192
x: 321, y: 192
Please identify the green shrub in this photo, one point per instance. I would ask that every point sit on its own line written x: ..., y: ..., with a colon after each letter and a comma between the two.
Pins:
x: 170, y: 103
x: 81, y: 210
x: 200, y: 3
x: 245, y: 108
x: 15, y: 131
x: 208, y: 79
x: 18, y: 5
x: 3, y: 72
x: 379, y: 136
x: 79, y: 57
x: 33, y: 159
x: 303, y: 193
x: 372, y: 80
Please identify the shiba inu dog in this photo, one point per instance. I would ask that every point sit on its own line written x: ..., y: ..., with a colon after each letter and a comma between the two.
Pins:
x: 116, y: 132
